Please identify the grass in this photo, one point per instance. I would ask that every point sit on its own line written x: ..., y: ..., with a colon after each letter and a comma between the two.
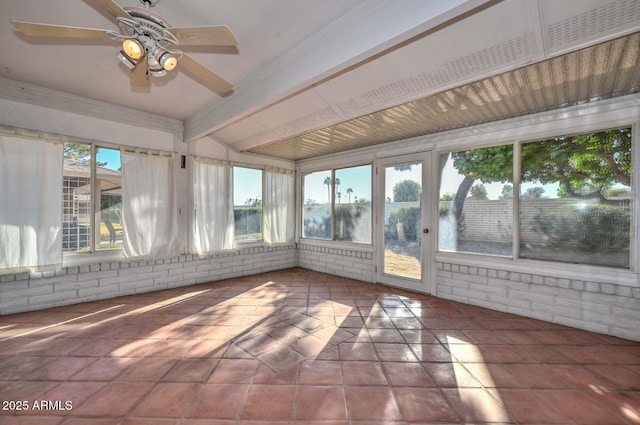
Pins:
x: 401, y: 264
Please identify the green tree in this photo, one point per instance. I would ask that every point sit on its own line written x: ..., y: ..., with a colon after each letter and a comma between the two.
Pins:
x: 447, y: 196
x: 507, y: 192
x: 327, y: 181
x: 490, y: 165
x: 80, y: 152
x: 407, y: 191
x: 479, y: 192
x: 533, y: 193
x: 349, y: 192
x: 77, y: 151
x: 585, y: 166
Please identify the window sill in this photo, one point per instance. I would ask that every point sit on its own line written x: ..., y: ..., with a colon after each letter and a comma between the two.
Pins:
x: 83, y: 259
x: 544, y: 268
x: 249, y: 244
x: 353, y: 246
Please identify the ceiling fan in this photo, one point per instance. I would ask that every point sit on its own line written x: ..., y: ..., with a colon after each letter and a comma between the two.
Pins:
x: 150, y: 46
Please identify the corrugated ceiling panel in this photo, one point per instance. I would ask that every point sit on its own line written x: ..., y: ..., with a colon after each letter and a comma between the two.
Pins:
x: 598, y: 72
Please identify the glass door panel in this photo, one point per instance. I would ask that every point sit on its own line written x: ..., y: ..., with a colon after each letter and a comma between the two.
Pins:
x: 402, y: 220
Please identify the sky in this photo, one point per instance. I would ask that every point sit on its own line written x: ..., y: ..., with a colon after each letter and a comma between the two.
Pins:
x: 247, y: 184
x: 357, y: 178
x: 110, y: 156
x: 393, y: 176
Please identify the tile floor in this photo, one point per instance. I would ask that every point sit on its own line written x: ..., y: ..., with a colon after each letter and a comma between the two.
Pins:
x: 302, y: 347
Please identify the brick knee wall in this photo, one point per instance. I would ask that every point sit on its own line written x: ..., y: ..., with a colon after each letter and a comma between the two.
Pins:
x: 71, y: 285
x: 606, y: 308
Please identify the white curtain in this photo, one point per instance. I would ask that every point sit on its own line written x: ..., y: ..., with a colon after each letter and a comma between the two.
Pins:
x: 278, y: 207
x: 213, y: 198
x: 30, y: 202
x: 149, y: 213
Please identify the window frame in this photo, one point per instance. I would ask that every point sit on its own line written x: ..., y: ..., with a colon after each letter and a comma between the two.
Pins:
x: 97, y: 201
x: 302, y: 201
x: 250, y: 242
x: 333, y: 242
x: 93, y: 255
x: 515, y: 263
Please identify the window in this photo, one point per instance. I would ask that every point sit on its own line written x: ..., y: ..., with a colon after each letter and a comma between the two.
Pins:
x: 353, y: 204
x: 109, y: 185
x: 76, y: 198
x: 475, y: 204
x: 337, y: 204
x: 573, y: 200
x: 83, y: 212
x: 247, y: 203
x: 316, y: 213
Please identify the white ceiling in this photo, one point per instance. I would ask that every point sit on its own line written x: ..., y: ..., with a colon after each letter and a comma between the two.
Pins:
x: 304, y: 65
x: 265, y: 29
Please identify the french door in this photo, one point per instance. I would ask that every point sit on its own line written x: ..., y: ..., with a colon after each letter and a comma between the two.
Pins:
x: 402, y: 221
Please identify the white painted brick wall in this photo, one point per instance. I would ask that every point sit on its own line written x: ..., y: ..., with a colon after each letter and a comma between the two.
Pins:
x: 600, y: 307
x: 34, y: 291
x: 606, y: 308
x: 350, y: 263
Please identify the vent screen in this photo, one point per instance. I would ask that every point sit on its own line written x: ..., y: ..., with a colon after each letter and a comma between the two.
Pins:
x: 609, y: 18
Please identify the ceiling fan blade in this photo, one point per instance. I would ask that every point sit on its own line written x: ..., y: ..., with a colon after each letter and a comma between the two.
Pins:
x: 140, y: 74
x: 215, y: 35
x: 44, y: 30
x: 206, y: 76
x: 111, y: 7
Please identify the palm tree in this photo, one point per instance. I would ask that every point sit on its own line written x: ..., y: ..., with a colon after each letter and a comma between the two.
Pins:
x: 338, y: 195
x: 349, y: 192
x: 327, y: 181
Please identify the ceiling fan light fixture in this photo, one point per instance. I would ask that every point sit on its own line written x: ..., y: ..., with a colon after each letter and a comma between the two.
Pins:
x: 160, y: 73
x: 126, y: 60
x: 133, y: 48
x: 168, y: 61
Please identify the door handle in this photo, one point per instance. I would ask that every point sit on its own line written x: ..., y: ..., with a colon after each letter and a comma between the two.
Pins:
x: 425, y: 230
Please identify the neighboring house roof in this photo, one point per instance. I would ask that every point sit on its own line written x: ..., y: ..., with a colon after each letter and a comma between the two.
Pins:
x: 110, y: 180
x: 83, y: 169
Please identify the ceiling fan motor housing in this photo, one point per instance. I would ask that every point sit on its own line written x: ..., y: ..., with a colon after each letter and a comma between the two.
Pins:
x: 149, y: 30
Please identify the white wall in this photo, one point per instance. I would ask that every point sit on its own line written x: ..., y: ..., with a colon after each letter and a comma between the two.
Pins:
x: 36, y: 108
x: 88, y: 277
